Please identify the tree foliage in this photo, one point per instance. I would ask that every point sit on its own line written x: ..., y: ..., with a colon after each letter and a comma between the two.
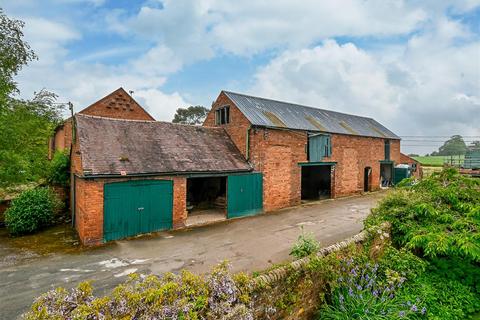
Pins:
x: 453, y: 146
x: 14, y: 54
x: 26, y: 126
x: 59, y: 169
x: 191, y: 115
x: 438, y: 217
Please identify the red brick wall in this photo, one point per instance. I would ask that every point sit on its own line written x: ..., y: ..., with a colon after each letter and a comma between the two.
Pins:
x: 404, y: 159
x: 276, y: 153
x: 237, y: 128
x: 353, y: 154
x: 89, y: 206
x: 118, y: 104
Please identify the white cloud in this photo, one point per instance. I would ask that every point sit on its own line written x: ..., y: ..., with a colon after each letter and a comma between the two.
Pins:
x: 430, y: 86
x: 48, y: 38
x: 330, y: 75
x: 162, y: 106
x: 195, y: 29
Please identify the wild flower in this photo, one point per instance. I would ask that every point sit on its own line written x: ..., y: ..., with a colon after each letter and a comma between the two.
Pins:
x: 186, y: 296
x: 361, y: 289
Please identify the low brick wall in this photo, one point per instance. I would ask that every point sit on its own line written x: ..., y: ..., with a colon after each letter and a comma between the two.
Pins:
x: 295, y: 291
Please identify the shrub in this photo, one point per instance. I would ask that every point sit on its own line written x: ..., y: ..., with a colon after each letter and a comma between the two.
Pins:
x: 186, y: 296
x: 30, y: 211
x: 438, y: 220
x: 59, y: 169
x: 438, y: 217
x: 305, y: 245
x: 445, y: 299
x: 364, y: 290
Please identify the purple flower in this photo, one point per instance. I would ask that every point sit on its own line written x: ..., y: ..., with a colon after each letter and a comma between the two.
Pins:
x: 359, y: 287
x: 401, y: 314
x: 375, y: 293
x: 350, y: 292
x: 424, y: 310
x: 414, y: 308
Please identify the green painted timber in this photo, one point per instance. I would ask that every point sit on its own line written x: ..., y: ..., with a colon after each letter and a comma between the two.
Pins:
x: 136, y: 207
x: 399, y: 174
x: 319, y: 147
x: 308, y: 164
x: 244, y: 194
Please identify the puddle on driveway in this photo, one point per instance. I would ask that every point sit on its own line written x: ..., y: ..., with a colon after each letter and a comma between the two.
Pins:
x: 57, y: 239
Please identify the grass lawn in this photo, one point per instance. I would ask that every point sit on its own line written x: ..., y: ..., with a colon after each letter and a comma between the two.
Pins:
x: 438, y: 161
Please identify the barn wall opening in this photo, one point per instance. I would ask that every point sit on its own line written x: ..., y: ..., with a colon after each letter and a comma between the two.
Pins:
x: 206, y: 199
x: 386, y: 175
x: 316, y: 182
x: 367, y: 175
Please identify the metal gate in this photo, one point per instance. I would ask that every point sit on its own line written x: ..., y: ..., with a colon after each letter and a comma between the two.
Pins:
x: 137, y: 207
x: 244, y: 194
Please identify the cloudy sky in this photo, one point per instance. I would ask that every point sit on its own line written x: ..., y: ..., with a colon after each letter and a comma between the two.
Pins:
x: 412, y: 65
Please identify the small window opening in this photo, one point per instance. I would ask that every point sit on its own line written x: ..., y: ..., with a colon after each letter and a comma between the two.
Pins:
x: 222, y: 115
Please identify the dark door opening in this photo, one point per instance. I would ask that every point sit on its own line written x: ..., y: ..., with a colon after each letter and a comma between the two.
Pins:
x: 386, y: 175
x: 366, y: 179
x: 316, y: 182
x: 206, y: 199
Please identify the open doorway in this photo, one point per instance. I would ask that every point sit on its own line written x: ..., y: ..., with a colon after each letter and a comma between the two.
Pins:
x: 386, y: 175
x: 316, y: 182
x: 367, y: 176
x: 206, y: 200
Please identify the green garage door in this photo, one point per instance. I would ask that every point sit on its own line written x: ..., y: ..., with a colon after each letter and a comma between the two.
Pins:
x: 136, y: 207
x: 245, y: 194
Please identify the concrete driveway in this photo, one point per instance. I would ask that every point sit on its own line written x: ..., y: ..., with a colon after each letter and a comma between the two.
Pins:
x: 249, y: 244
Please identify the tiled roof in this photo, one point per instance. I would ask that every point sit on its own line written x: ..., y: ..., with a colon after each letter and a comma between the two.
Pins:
x: 109, y: 146
x: 273, y: 113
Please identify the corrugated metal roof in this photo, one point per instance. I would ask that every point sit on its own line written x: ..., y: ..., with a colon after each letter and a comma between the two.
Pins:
x: 273, y: 113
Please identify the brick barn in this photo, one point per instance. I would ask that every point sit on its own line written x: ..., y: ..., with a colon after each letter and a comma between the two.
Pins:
x: 307, y: 153
x: 133, y: 175
x: 118, y: 104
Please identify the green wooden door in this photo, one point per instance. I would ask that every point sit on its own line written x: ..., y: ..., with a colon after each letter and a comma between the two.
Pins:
x: 244, y: 194
x: 137, y: 207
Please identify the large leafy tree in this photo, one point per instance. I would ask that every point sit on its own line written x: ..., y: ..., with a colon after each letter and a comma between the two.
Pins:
x: 453, y: 146
x: 191, y: 115
x: 14, y: 54
x: 25, y: 125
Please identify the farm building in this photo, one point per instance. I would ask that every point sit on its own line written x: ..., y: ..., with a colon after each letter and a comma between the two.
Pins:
x: 118, y: 104
x: 307, y: 153
x: 135, y: 175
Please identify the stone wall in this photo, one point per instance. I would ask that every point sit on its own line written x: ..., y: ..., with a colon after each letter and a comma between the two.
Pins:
x: 294, y: 291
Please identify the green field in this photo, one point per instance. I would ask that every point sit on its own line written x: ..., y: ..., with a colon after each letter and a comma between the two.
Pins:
x: 438, y: 161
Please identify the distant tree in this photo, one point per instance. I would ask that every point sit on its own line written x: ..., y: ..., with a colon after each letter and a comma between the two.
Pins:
x: 413, y: 155
x: 14, y: 54
x: 474, y: 145
x: 453, y: 146
x: 434, y: 153
x: 191, y: 115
